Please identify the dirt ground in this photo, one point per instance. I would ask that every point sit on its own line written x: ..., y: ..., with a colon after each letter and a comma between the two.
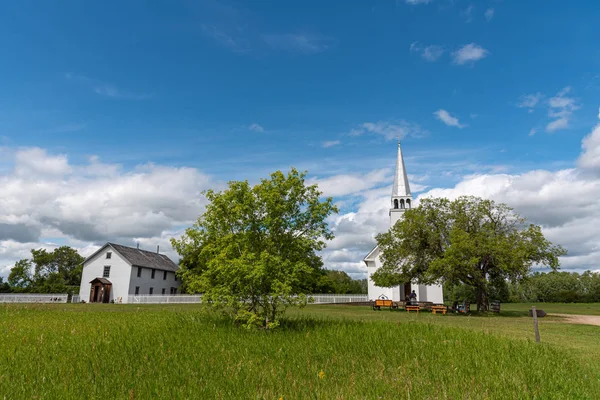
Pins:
x: 580, y: 319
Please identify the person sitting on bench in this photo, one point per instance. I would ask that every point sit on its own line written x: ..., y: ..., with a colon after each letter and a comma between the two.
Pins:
x: 413, y: 298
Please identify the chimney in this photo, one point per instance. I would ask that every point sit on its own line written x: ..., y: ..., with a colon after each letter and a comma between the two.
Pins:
x: 157, y: 247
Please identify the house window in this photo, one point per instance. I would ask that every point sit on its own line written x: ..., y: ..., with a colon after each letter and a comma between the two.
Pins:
x: 139, y: 272
x: 165, y: 276
x: 108, y: 255
x: 164, y: 291
x: 173, y: 290
x: 106, y: 273
x: 153, y: 273
x: 137, y: 290
x: 151, y: 290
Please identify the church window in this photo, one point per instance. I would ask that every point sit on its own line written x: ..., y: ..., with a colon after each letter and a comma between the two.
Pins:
x: 395, y: 203
x: 401, y: 203
x: 407, y: 203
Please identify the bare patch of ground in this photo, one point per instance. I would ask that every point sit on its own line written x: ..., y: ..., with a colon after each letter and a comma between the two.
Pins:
x: 580, y: 319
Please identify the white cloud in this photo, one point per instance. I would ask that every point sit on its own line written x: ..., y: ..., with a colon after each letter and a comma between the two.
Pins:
x: 430, y: 53
x: 532, y: 131
x: 590, y: 157
x: 530, y: 101
x: 469, y: 53
x: 44, y: 194
x: 35, y: 161
x: 561, y: 108
x: 330, y: 143
x: 299, y: 43
x: 448, y: 119
x: 390, y: 130
x: 489, y: 14
x: 414, y: 2
x: 256, y: 128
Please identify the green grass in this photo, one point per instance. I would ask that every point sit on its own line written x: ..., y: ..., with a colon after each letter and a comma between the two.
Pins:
x: 130, y: 352
x: 558, y: 308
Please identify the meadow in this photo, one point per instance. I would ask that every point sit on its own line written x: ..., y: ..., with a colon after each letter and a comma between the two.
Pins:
x: 321, y: 352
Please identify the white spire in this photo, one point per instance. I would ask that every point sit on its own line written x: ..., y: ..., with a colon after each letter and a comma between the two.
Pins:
x: 401, y: 187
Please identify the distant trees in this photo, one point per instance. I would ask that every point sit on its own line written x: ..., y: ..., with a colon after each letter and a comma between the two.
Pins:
x: 552, y: 287
x: 469, y: 241
x: 339, y: 282
x: 255, y: 248
x: 58, y: 271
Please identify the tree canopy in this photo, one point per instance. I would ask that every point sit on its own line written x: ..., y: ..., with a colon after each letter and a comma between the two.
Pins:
x: 57, y: 271
x: 469, y: 240
x: 254, y: 248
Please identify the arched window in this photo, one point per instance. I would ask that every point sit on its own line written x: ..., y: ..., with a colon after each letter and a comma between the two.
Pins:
x: 407, y: 203
x: 395, y: 203
x: 401, y: 203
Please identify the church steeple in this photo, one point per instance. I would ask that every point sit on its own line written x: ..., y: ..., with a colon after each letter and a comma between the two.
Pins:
x: 401, y: 196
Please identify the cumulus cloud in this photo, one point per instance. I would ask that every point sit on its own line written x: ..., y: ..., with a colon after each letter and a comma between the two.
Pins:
x: 469, y: 53
x: 489, y: 14
x: 43, y: 194
x: 590, y: 156
x: 448, y: 119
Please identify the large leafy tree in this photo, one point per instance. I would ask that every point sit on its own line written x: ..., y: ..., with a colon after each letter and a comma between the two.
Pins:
x: 48, y: 272
x: 254, y: 248
x: 466, y: 241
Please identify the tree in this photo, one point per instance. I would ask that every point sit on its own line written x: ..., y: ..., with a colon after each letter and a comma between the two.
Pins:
x: 47, y: 272
x: 255, y: 246
x: 469, y: 240
x: 4, y: 286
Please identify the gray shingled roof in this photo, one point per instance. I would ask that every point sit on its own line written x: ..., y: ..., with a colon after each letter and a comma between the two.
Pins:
x: 143, y: 258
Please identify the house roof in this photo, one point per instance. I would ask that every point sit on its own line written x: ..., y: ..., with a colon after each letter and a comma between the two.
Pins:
x: 141, y: 258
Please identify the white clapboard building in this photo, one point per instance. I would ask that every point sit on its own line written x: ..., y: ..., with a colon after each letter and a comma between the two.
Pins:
x: 115, y: 272
x: 401, y: 201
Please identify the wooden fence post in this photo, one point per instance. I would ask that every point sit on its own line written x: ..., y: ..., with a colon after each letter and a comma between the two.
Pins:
x: 535, y: 324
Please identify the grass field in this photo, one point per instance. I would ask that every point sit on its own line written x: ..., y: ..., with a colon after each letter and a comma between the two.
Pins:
x: 325, y: 352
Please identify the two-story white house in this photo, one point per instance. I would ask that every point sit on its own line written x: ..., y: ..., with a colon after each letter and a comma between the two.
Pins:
x: 115, y: 272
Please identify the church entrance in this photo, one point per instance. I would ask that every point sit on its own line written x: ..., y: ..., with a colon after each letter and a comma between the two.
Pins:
x: 406, y: 291
x: 100, y: 290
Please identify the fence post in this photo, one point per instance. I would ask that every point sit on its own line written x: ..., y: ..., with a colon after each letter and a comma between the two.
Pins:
x: 535, y: 324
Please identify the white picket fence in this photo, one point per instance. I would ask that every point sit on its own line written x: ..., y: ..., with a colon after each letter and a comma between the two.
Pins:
x: 197, y: 298
x: 33, y: 298
x: 166, y: 299
x: 184, y: 298
x: 338, y: 298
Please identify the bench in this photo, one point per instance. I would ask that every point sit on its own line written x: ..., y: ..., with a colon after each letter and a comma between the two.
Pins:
x: 384, y: 303
x: 413, y: 308
x: 438, y: 309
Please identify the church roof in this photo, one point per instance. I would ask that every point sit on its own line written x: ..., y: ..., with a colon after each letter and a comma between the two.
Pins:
x: 401, y: 187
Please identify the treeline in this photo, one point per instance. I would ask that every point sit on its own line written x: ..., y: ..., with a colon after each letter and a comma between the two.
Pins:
x: 338, y: 282
x: 58, y: 271
x: 551, y: 287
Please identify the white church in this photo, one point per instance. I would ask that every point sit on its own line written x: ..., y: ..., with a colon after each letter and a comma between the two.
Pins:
x: 400, y: 202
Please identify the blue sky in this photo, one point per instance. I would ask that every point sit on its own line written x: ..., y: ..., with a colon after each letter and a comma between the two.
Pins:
x: 235, y: 90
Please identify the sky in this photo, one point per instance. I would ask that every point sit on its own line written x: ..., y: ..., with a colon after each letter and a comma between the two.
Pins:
x: 115, y: 116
